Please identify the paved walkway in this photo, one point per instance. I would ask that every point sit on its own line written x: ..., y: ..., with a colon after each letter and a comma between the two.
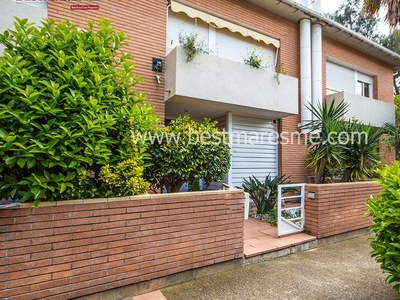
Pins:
x: 260, y: 238
x: 341, y: 271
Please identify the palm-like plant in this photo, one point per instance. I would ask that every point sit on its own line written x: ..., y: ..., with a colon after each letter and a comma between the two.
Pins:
x: 324, y: 153
x: 372, y: 7
x: 264, y: 195
x: 360, y: 156
x: 392, y: 139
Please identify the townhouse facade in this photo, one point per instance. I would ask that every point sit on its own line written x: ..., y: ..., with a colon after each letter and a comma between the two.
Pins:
x: 308, y: 58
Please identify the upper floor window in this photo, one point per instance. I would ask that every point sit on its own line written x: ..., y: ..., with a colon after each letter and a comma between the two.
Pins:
x: 348, y: 79
x: 363, y: 88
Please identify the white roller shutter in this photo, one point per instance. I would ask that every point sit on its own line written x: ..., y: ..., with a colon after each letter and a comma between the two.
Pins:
x: 233, y: 46
x: 340, y: 78
x: 179, y: 23
x: 254, y: 148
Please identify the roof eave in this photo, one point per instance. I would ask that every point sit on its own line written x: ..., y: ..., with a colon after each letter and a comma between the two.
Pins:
x: 295, y: 12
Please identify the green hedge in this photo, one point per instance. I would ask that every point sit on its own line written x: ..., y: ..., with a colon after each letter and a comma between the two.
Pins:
x: 67, y: 108
x: 385, y: 209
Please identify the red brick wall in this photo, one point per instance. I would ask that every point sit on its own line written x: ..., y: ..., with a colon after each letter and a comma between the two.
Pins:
x: 144, y: 22
x: 338, y: 207
x: 73, y: 248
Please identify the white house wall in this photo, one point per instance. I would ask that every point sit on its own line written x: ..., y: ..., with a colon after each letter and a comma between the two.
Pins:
x: 10, y: 9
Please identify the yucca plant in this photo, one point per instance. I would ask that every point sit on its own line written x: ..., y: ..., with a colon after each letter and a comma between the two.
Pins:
x: 264, y: 195
x: 392, y: 139
x: 360, y: 154
x: 324, y: 153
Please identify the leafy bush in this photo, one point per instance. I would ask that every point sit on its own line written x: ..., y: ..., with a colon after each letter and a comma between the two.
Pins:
x: 264, y: 195
x: 66, y: 108
x: 186, y: 150
x: 123, y: 179
x: 385, y: 210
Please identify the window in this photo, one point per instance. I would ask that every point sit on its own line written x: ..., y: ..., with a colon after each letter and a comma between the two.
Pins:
x: 363, y: 88
x: 348, y: 79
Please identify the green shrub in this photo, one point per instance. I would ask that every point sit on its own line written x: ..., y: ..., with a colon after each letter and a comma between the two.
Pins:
x: 185, y: 151
x: 385, y: 210
x: 124, y: 179
x: 67, y: 108
x: 264, y: 195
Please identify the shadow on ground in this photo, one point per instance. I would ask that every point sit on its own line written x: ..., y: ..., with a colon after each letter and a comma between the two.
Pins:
x: 342, y: 271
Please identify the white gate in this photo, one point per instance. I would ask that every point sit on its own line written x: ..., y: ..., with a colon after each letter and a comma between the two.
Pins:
x: 291, y: 208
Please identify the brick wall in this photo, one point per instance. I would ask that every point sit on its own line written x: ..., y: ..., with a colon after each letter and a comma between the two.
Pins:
x: 73, y: 248
x: 144, y: 23
x: 338, y: 208
x: 383, y: 81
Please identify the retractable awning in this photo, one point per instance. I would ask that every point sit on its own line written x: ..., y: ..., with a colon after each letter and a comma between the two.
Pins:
x: 221, y: 23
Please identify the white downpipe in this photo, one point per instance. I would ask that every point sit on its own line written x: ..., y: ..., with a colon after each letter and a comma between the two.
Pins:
x: 316, y: 58
x: 305, y: 69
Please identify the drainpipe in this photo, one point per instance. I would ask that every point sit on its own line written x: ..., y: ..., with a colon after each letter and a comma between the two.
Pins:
x: 305, y: 69
x: 316, y: 58
x: 316, y: 61
x: 305, y: 66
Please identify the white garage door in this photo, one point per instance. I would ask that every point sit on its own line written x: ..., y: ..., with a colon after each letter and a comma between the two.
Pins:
x: 254, y: 148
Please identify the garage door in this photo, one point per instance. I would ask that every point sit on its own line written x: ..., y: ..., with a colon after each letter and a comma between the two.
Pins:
x: 254, y: 148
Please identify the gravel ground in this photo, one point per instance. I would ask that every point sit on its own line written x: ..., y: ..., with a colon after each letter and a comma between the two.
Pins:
x: 342, y: 271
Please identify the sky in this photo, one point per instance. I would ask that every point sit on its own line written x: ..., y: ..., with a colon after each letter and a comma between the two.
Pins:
x: 330, y: 6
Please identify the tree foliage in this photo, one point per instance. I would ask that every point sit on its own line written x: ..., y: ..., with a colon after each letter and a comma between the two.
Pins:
x: 371, y: 8
x: 186, y: 150
x: 349, y: 15
x: 66, y: 108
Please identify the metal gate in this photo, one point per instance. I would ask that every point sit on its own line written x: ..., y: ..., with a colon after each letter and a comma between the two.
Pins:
x: 291, y: 214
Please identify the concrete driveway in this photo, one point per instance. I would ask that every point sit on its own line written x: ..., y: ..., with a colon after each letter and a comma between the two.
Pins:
x: 342, y: 271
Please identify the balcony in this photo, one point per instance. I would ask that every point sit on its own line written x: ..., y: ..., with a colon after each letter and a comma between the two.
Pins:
x: 366, y: 110
x: 210, y: 86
